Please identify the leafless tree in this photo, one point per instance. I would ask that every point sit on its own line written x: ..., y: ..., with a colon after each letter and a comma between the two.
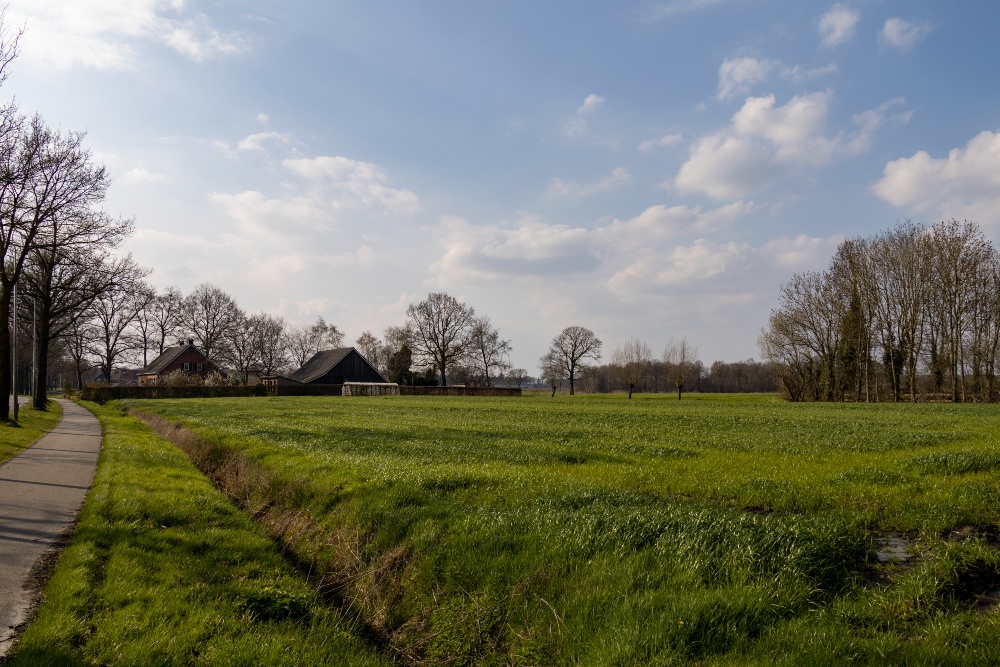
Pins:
x: 630, y: 362
x: 67, y: 270
x: 210, y: 314
x: 239, y: 349
x: 306, y: 340
x: 47, y: 179
x: 517, y: 376
x: 681, y: 359
x: 272, y: 349
x: 371, y: 348
x: 553, y: 368
x: 166, y: 313
x: 575, y: 346
x: 488, y: 352
x: 441, y: 326
x: 114, y: 311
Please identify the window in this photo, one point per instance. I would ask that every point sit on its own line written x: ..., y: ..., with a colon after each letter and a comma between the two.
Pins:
x: 187, y: 366
x: 201, y: 367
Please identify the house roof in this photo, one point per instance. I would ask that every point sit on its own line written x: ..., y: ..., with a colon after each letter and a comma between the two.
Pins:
x: 320, y: 364
x: 157, y: 365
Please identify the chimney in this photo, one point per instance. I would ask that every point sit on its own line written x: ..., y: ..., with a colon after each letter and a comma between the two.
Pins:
x: 190, y: 341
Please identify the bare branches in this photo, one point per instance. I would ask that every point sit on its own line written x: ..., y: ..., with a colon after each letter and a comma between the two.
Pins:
x: 574, y: 347
x: 630, y: 362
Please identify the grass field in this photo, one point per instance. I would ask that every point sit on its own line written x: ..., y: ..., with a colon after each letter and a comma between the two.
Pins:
x: 163, y: 570
x: 32, y: 424
x: 596, y: 530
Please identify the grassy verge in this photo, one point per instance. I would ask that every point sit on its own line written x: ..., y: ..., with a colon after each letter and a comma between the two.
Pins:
x: 163, y: 570
x: 602, y: 531
x: 32, y: 424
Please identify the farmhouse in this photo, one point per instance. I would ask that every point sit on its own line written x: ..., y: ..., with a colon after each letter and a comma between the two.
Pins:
x: 185, y: 358
x: 337, y: 366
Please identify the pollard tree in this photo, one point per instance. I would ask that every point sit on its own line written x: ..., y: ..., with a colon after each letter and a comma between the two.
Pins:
x: 630, y: 362
x: 441, y: 327
x: 681, y: 359
x: 575, y: 346
x: 553, y: 368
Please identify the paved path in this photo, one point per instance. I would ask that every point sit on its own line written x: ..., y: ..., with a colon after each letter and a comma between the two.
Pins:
x: 41, y: 491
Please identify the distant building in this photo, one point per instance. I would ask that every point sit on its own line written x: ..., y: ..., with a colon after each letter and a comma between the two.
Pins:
x: 185, y: 358
x: 338, y: 366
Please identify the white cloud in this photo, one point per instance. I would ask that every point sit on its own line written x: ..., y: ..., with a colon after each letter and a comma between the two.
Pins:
x: 838, y: 24
x: 576, y: 126
x: 725, y: 166
x: 107, y: 34
x: 355, y: 183
x: 661, y: 142
x: 765, y: 139
x: 798, y: 73
x: 256, y: 141
x: 142, y: 175
x: 263, y: 118
x: 727, y: 269
x: 590, y: 103
x: 902, y: 34
x: 966, y: 184
x: 560, y: 188
x: 530, y: 246
x: 738, y: 75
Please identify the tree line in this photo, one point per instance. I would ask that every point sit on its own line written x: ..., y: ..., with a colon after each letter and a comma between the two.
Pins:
x: 911, y: 313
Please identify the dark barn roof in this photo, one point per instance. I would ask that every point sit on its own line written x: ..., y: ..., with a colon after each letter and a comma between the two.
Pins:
x: 162, y: 361
x: 343, y: 364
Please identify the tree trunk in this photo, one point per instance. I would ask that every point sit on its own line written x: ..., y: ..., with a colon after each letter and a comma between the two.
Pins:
x: 630, y: 391
x: 38, y: 399
x: 679, y: 387
x: 5, y: 353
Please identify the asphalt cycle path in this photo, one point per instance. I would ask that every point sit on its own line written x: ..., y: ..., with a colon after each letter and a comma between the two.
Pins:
x: 41, y: 492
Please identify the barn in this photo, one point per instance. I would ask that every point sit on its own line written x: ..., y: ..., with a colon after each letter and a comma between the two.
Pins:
x: 337, y: 366
x: 183, y: 357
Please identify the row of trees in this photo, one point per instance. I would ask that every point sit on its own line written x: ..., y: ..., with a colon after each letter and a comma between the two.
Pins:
x: 574, y: 352
x: 910, y: 313
x: 444, y: 337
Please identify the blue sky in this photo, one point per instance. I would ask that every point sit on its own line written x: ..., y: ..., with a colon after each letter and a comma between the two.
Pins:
x: 649, y: 170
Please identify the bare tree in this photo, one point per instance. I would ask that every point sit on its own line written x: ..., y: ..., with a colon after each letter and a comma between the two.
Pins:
x: 681, y: 359
x: 370, y: 347
x: 114, y: 311
x: 441, y: 327
x: 47, y: 179
x: 488, y: 352
x: 166, y: 313
x: 306, y: 340
x: 65, y: 273
x: 575, y: 346
x: 239, y: 349
x: 630, y: 361
x: 271, y: 341
x: 518, y: 376
x: 553, y: 368
x: 210, y: 314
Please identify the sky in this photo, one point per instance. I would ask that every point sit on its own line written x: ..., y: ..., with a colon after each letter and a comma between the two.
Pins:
x: 647, y: 170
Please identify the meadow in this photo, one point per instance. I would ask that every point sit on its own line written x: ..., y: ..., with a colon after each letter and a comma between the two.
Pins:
x: 600, y: 531
x: 31, y: 425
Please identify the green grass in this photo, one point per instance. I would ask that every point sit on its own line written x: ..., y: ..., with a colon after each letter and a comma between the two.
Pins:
x: 32, y: 424
x: 163, y: 570
x: 601, y: 531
